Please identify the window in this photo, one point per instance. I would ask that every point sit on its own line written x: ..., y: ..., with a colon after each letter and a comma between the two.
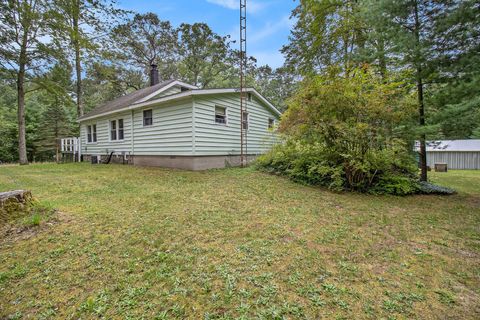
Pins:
x: 116, y: 130
x: 220, y: 115
x: 92, y: 133
x: 245, y: 120
x: 120, y: 129
x: 249, y: 96
x: 89, y: 133
x: 147, y: 117
x: 113, y: 130
x: 271, y: 123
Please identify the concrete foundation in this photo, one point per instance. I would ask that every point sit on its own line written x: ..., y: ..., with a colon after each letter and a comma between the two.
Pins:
x: 194, y: 163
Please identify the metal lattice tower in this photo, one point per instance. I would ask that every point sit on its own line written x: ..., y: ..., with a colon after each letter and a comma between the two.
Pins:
x: 243, y: 88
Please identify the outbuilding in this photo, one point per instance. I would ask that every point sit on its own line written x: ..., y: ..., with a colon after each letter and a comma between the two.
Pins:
x: 457, y: 154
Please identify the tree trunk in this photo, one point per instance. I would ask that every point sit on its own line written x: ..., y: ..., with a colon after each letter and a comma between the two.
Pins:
x: 421, y: 112
x: 78, y: 66
x: 382, y: 60
x: 22, y: 144
x: 421, y: 106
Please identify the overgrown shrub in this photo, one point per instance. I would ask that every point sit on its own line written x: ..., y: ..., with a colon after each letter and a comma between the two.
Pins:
x: 347, y: 133
x: 381, y: 172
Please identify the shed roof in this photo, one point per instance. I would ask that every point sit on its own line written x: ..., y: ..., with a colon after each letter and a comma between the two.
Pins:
x: 454, y: 145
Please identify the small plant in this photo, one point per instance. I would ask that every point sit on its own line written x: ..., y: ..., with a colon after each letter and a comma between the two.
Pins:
x: 33, y: 220
x: 445, y: 297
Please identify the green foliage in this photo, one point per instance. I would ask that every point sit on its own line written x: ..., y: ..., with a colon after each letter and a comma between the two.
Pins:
x: 277, y: 85
x: 430, y: 188
x: 395, y: 184
x: 33, y: 220
x: 347, y: 133
x: 144, y: 40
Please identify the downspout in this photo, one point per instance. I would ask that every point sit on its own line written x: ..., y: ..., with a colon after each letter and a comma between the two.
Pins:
x: 193, y: 126
x: 132, y: 136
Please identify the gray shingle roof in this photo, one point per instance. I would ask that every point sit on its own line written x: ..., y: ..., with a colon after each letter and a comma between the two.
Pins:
x: 125, y: 100
x: 454, y: 145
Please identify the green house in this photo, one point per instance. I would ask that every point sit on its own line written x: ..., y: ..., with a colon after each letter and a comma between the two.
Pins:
x: 177, y: 125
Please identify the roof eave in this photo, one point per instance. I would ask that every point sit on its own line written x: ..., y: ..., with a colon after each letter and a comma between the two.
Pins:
x: 181, y: 95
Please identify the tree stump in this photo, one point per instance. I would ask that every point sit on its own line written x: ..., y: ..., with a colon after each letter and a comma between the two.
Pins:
x: 13, y: 203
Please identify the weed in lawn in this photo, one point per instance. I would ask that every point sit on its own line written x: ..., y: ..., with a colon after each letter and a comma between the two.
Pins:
x: 32, y: 220
x: 445, y: 297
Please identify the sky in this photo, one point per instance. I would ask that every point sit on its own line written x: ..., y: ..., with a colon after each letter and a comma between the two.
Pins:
x: 268, y: 21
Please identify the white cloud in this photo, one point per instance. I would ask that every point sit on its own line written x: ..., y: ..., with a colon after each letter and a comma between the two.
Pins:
x: 269, y: 29
x: 252, y: 6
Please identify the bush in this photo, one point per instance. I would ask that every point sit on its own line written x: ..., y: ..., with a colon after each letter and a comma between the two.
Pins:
x: 396, y: 185
x: 381, y: 172
x: 347, y: 133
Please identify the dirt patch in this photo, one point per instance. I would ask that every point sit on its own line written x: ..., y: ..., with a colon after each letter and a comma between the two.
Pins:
x: 16, y: 232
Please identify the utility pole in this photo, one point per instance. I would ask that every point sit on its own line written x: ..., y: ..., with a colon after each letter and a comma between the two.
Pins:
x: 243, y: 87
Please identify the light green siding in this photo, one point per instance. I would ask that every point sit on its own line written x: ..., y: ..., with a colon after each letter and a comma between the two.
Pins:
x: 185, y: 127
x: 171, y: 132
x: 103, y: 144
x: 218, y: 139
x: 170, y: 91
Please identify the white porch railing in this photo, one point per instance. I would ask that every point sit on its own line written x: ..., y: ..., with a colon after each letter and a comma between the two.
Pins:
x: 71, y: 146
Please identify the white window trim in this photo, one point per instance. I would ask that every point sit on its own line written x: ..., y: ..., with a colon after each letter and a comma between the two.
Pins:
x: 215, y: 114
x: 96, y: 133
x: 248, y: 121
x: 143, y: 118
x: 116, y: 130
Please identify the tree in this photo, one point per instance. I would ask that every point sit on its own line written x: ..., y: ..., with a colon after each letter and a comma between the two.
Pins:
x: 23, y: 35
x: 205, y: 55
x: 8, y: 120
x: 57, y: 117
x: 411, y: 27
x: 105, y: 81
x: 147, y: 40
x: 79, y: 26
x: 277, y: 85
x: 327, y: 32
x: 455, y: 98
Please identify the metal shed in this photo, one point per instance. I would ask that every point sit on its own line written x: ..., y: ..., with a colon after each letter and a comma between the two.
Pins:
x: 457, y: 154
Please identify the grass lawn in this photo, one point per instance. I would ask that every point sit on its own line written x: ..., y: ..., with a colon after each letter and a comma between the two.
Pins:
x: 145, y: 243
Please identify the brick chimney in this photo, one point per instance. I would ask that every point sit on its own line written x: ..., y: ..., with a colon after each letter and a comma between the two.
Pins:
x: 153, y: 75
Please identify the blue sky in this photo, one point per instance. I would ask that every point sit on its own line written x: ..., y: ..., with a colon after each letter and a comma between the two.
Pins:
x: 268, y: 21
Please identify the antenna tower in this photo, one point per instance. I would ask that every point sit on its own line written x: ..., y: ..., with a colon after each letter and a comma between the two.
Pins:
x: 243, y: 90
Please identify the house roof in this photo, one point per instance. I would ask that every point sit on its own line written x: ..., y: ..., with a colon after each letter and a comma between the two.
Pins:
x: 142, y: 98
x: 454, y: 145
x: 136, y: 96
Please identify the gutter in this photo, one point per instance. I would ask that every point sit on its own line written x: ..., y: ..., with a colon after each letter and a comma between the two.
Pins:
x: 179, y: 96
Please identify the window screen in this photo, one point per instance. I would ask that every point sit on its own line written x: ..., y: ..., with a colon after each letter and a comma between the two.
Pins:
x: 220, y: 115
x: 113, y: 130
x: 120, y: 129
x: 147, y: 117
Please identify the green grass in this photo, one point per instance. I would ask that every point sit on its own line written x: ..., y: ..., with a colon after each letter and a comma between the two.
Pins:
x: 150, y: 243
